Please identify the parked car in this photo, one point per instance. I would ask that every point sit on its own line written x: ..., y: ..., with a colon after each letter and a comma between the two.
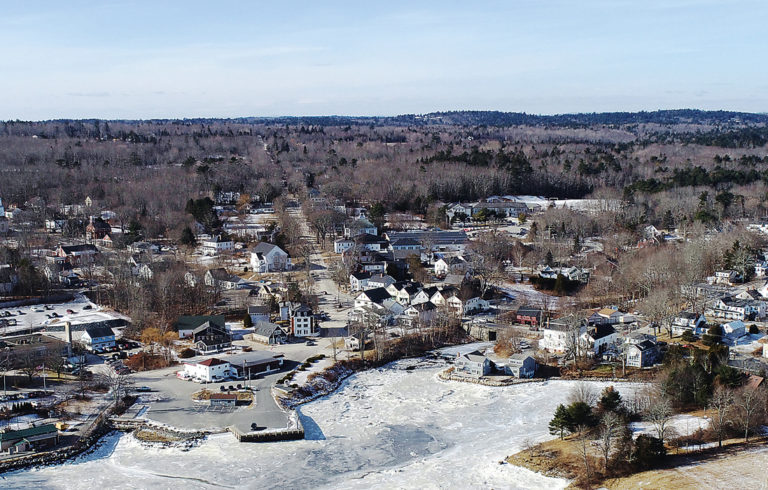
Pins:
x: 70, y: 312
x: 87, y: 307
x: 142, y: 389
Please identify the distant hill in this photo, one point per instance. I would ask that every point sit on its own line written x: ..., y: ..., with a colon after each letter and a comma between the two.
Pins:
x: 491, y: 118
x: 497, y: 118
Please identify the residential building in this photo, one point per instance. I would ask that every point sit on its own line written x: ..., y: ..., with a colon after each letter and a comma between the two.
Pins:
x: 303, y: 322
x: 268, y: 257
x: 559, y: 337
x: 521, y: 366
x: 359, y: 281
x: 450, y: 265
x: 610, y: 316
x: 596, y: 339
x: 687, y: 320
x: 216, y: 245
x: 733, y: 330
x: 258, y: 313
x: 642, y: 354
x: 211, y: 337
x: 379, y: 281
x: 732, y: 308
x: 97, y: 338
x: 268, y: 333
x: 342, y: 245
x: 221, y: 279
x: 371, y: 299
x: 358, y: 226
x: 473, y: 364
x: 420, y: 314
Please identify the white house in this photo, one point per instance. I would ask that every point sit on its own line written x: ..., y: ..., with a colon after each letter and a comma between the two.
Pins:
x: 209, y: 370
x: 216, y: 245
x: 641, y: 354
x: 303, y: 322
x: 379, y: 281
x: 268, y: 257
x: 222, y: 279
x: 98, y: 338
x: 342, y: 245
x: 421, y: 314
x: 359, y: 281
x: 610, y: 316
x: 687, y: 320
x: 371, y: 299
x: 450, y: 265
x: 558, y: 338
x: 596, y: 339
x: 358, y: 226
x: 731, y: 308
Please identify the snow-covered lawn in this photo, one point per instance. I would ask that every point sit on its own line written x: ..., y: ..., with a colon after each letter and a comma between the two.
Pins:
x: 300, y: 377
x: 679, y: 425
x: 386, y: 428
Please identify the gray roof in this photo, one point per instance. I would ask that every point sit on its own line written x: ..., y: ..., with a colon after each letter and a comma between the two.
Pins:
x: 99, y: 331
x: 258, y: 309
x: 265, y: 329
x: 475, y: 356
x: 265, y: 247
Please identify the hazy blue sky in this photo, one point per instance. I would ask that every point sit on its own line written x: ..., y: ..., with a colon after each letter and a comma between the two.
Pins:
x: 162, y: 58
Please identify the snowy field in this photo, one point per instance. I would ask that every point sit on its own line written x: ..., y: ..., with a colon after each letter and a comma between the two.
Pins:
x: 679, y: 425
x: 388, y: 428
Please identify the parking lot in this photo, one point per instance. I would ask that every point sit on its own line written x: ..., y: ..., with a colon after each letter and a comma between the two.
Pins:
x: 170, y: 402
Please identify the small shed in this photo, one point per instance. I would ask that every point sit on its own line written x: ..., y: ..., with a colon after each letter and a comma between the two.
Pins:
x: 223, y: 400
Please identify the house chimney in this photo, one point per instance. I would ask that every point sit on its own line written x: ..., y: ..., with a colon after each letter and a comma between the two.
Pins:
x: 68, y: 335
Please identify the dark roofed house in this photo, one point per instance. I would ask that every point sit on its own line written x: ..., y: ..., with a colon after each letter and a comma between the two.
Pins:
x: 188, y: 323
x: 259, y: 313
x: 210, y: 337
x: 220, y: 278
x: 77, y: 254
x: 528, y: 315
x: 642, y: 354
x: 98, y: 338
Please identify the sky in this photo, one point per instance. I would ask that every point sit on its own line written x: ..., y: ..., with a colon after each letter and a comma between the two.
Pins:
x: 133, y: 59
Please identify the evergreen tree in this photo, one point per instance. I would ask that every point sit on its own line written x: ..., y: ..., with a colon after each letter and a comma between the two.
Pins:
x: 610, y: 400
x: 581, y: 414
x: 713, y: 336
x: 247, y: 321
x: 549, y: 258
x: 668, y: 222
x: 561, y: 422
x: 187, y: 237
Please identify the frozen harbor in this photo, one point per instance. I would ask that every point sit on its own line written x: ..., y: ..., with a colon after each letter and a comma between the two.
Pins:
x: 388, y: 428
